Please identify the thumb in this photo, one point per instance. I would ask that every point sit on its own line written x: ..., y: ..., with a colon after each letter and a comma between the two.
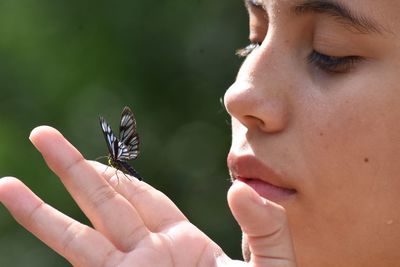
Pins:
x: 264, y: 226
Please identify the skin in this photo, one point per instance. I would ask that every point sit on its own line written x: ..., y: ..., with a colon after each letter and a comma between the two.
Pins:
x: 332, y: 135
x: 133, y: 223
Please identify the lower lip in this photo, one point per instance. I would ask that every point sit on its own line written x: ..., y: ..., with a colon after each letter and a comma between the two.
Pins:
x: 269, y: 191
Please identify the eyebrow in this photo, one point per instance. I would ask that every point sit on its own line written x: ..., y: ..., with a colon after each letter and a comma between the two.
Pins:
x: 342, y: 13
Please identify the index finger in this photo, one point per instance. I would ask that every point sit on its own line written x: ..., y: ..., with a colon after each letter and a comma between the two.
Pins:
x: 109, y: 212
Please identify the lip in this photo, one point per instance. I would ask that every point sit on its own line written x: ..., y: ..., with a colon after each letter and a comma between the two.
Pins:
x: 262, y: 178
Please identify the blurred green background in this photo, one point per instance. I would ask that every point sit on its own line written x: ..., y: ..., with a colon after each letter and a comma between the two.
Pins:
x: 63, y: 63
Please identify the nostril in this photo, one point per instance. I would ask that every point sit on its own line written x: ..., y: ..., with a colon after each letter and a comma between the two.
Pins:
x: 253, y: 122
x: 265, y: 124
x: 255, y: 107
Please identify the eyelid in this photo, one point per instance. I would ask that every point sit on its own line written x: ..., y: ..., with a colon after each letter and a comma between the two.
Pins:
x: 259, y: 23
x: 333, y: 64
x: 255, y: 4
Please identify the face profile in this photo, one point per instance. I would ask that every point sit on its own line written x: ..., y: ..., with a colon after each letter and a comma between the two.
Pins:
x: 314, y: 124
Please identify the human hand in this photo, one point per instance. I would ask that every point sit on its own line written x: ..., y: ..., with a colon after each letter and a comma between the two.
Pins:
x: 133, y: 223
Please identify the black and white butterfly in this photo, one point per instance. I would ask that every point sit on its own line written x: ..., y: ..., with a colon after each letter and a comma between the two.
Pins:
x: 124, y: 148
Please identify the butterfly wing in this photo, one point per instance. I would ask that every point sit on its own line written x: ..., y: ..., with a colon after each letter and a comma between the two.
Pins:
x: 125, y: 152
x: 127, y: 147
x: 111, y: 139
x: 128, y: 135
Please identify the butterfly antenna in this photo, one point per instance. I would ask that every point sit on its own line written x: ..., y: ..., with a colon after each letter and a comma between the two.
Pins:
x: 101, y: 157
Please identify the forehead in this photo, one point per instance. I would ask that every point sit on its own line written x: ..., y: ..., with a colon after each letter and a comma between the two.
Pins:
x: 384, y: 12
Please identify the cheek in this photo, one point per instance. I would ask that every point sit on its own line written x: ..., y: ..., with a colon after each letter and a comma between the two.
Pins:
x: 354, y: 149
x: 352, y: 176
x: 353, y: 142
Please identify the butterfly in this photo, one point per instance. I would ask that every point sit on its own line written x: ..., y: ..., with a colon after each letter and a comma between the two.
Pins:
x: 124, y: 148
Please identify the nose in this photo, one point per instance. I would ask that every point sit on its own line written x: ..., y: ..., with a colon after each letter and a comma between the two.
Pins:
x: 257, y: 99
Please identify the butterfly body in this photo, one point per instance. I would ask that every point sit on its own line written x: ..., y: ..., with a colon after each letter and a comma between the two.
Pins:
x: 124, y: 167
x: 124, y: 148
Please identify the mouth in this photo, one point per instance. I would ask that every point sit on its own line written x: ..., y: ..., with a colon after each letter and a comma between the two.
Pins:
x: 263, y: 179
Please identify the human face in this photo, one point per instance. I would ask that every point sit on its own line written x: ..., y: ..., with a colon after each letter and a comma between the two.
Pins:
x: 316, y: 125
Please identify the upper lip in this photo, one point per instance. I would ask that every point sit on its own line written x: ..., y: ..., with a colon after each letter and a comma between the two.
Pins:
x: 249, y: 167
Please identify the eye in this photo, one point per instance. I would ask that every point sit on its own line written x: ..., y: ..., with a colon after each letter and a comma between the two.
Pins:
x: 245, y: 51
x: 333, y: 64
x: 258, y: 24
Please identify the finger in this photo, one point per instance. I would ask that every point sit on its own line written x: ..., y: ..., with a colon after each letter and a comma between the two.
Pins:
x: 78, y: 243
x: 264, y: 225
x: 109, y: 212
x: 157, y: 211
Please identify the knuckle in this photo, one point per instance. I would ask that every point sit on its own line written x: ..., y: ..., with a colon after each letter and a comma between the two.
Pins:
x: 71, y: 167
x: 139, y: 189
x: 32, y: 216
x: 69, y: 236
x: 101, y: 195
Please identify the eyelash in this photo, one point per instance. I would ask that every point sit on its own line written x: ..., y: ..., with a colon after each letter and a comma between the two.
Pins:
x: 332, y: 64
x: 245, y: 51
x: 329, y: 64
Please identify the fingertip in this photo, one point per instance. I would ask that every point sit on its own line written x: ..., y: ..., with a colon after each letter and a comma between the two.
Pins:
x: 8, y: 179
x: 245, y: 203
x: 52, y: 144
x: 14, y: 194
x: 240, y: 194
x: 9, y: 184
x: 39, y: 131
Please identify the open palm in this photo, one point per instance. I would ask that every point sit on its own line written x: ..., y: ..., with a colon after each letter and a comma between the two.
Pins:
x: 133, y: 223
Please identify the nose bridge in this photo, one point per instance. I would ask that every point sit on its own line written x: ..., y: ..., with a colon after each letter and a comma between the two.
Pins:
x: 258, y: 98
x: 266, y: 60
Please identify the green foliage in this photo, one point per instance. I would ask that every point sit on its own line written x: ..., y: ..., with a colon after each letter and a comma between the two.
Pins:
x: 65, y: 62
